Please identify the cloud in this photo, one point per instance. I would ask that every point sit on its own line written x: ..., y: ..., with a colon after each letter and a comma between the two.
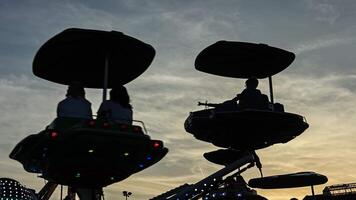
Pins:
x: 324, y: 11
x: 319, y: 85
x: 321, y: 43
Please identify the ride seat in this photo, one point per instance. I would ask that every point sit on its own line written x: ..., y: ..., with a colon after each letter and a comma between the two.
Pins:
x: 63, y: 123
x: 278, y: 107
x: 259, y: 102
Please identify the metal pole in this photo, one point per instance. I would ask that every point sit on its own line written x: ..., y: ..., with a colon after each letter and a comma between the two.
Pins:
x: 270, y: 89
x: 47, y: 190
x: 312, y: 189
x: 106, y: 76
x: 61, y: 192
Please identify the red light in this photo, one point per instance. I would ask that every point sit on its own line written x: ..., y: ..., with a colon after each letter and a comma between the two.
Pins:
x: 91, y: 122
x: 136, y: 129
x: 54, y: 135
x: 106, y: 124
x: 123, y: 126
x: 156, y: 145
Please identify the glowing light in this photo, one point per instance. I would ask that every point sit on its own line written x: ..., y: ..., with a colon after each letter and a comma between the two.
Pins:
x: 90, y: 150
x: 136, y: 129
x: 156, y: 145
x: 77, y: 175
x: 112, y: 178
x: 141, y: 165
x: 126, y: 154
x: 54, y: 134
x: 91, y: 122
x: 148, y: 158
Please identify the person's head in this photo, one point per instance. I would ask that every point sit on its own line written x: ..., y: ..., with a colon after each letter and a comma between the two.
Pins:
x: 251, y: 83
x: 75, y: 90
x: 119, y: 94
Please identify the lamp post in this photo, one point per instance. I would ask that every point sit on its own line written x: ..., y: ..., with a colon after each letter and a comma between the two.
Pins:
x: 126, y: 194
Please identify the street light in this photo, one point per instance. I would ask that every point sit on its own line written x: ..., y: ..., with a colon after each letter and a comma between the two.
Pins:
x: 126, y: 194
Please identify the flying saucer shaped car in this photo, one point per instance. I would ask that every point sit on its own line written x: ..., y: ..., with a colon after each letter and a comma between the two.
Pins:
x: 90, y: 153
x: 300, y: 179
x: 227, y: 124
x: 244, y: 129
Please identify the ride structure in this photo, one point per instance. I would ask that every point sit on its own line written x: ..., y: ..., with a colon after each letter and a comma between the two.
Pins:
x: 241, y: 130
x: 89, y: 154
x: 230, y: 126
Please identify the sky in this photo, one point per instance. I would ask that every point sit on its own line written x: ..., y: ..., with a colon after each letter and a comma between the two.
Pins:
x: 320, y: 84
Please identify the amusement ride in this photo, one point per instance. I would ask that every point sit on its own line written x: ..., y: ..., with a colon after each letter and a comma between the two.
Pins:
x: 89, y: 154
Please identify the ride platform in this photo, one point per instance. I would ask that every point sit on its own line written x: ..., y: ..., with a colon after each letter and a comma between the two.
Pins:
x: 247, y: 129
x: 89, y: 154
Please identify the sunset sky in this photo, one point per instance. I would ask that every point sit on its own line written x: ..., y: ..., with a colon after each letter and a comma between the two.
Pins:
x: 320, y: 84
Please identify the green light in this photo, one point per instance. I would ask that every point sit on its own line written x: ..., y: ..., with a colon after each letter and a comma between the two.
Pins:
x: 77, y: 175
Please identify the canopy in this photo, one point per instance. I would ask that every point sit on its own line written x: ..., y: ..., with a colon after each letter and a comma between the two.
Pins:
x: 79, y: 55
x: 224, y: 156
x: 243, y: 60
x: 300, y: 179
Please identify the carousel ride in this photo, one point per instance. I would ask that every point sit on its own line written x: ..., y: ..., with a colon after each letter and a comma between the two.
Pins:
x: 89, y: 153
x: 241, y: 130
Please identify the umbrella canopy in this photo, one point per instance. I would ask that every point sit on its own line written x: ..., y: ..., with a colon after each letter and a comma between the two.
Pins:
x: 79, y: 55
x: 243, y: 60
x: 300, y: 179
x: 224, y: 156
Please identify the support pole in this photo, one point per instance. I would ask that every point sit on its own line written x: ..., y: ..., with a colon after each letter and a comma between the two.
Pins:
x: 312, y: 189
x: 106, y: 76
x: 47, y: 190
x: 89, y: 193
x: 61, y: 197
x: 271, y: 89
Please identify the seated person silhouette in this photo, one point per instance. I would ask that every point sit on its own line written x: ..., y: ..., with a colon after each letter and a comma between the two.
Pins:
x: 118, y: 108
x: 251, y: 97
x: 75, y: 105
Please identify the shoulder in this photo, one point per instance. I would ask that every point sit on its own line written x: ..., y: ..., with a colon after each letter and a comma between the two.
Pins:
x: 80, y: 99
x: 64, y: 101
x: 106, y: 102
x: 86, y: 101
